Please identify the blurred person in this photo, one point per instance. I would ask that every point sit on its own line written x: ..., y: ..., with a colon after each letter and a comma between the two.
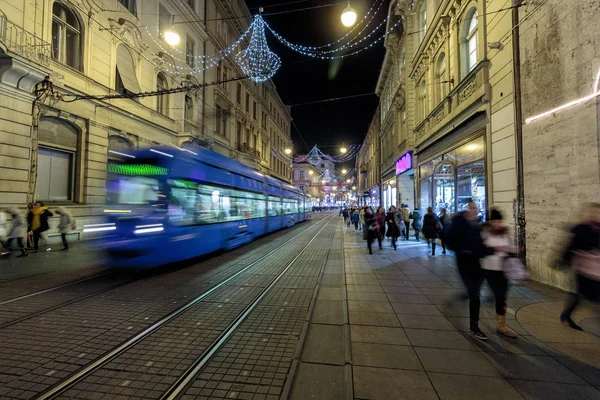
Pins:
x: 3, y: 232
x: 380, y: 217
x: 29, y: 218
x: 393, y: 225
x: 371, y: 231
x: 431, y: 228
x: 66, y: 224
x: 464, y: 238
x: 17, y: 231
x: 39, y: 222
x: 361, y: 217
x: 417, y: 223
x: 445, y: 221
x: 406, y: 219
x: 355, y: 219
x: 495, y: 237
x: 583, y: 255
x: 345, y: 215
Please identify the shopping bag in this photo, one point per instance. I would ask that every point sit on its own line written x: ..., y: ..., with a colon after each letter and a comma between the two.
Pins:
x: 515, y: 270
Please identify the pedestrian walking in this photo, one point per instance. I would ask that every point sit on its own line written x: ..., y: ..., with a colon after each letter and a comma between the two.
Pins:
x: 445, y: 221
x: 66, y: 224
x: 361, y: 218
x: 417, y: 223
x: 29, y: 218
x: 371, y: 231
x: 464, y: 238
x: 380, y: 217
x: 393, y: 225
x: 17, y: 231
x: 431, y: 228
x: 355, y: 219
x: 3, y: 232
x: 406, y: 219
x: 583, y: 255
x: 39, y: 222
x: 495, y: 237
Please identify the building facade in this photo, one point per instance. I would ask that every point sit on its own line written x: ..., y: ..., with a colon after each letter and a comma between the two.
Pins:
x: 368, y: 164
x: 305, y: 177
x: 57, y: 150
x: 559, y: 65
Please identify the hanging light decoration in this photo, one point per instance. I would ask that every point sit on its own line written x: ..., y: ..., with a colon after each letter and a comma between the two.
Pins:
x: 258, y: 61
x: 348, y: 16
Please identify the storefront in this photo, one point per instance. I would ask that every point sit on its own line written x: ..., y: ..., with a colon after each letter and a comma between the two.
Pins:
x: 389, y: 194
x: 453, y: 176
x: 373, y: 197
x: 405, y: 175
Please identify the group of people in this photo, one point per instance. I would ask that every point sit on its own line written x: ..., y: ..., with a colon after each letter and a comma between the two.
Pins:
x: 31, y: 227
x: 483, y: 250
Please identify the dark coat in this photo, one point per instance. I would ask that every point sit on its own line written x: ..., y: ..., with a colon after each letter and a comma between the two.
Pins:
x: 464, y: 238
x: 393, y: 225
x: 430, y: 226
x: 381, y: 222
x: 585, y: 237
x: 370, y: 222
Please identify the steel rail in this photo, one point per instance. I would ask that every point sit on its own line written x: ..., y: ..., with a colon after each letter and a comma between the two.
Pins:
x: 183, y: 381
x: 76, y: 377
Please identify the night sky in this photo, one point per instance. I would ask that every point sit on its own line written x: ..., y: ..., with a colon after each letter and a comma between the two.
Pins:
x: 302, y: 79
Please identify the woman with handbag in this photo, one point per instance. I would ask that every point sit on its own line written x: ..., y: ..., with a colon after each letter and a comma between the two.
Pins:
x: 393, y: 222
x: 371, y: 229
x: 431, y: 228
x: 380, y: 216
x: 495, y: 237
x: 583, y: 254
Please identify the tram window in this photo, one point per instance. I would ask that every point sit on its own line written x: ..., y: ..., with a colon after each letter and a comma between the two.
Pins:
x: 274, y: 206
x: 182, y: 208
x: 133, y: 190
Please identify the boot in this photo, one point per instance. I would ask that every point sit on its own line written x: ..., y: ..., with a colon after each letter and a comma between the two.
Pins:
x: 502, y: 328
x: 23, y: 253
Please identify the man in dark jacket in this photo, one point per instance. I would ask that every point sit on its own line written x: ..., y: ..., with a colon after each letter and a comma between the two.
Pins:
x: 464, y: 238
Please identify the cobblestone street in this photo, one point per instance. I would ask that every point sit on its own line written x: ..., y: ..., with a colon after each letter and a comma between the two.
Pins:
x: 304, y: 313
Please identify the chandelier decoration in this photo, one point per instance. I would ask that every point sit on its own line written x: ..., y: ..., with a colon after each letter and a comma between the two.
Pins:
x: 258, y: 61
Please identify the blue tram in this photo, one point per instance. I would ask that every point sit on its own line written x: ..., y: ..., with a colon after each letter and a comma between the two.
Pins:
x: 169, y: 205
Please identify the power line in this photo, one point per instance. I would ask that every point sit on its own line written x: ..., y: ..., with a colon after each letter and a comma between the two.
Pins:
x: 332, y: 99
x: 300, y: 134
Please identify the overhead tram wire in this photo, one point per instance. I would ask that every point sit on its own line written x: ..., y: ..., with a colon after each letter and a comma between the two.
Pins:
x: 332, y: 99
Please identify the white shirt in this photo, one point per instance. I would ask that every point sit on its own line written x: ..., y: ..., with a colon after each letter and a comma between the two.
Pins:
x: 495, y: 262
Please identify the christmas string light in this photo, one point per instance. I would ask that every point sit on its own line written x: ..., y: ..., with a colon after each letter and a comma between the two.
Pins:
x: 258, y: 61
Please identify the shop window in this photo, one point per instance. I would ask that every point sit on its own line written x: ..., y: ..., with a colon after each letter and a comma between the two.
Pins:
x: 469, y: 41
x: 126, y: 80
x: 66, y: 36
x: 162, y: 101
x: 471, y: 185
x: 444, y: 188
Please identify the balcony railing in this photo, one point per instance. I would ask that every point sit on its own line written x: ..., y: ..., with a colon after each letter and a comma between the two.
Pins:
x: 23, y: 43
x: 244, y: 148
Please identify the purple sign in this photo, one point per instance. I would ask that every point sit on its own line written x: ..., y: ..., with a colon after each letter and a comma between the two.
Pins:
x: 404, y: 163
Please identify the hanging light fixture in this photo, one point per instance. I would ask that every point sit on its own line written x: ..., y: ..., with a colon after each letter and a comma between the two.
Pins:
x: 172, y: 37
x: 348, y: 16
x: 288, y: 151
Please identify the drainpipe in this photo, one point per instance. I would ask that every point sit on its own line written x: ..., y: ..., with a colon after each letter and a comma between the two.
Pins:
x: 521, y: 232
x: 204, y: 75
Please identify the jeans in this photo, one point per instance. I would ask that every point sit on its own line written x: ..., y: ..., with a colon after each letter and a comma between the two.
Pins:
x: 406, y: 230
x: 499, y: 285
x: 63, y: 237
x: 417, y: 231
x: 472, y: 276
x: 36, y: 239
x: 370, y: 245
x: 19, y: 243
x: 394, y: 242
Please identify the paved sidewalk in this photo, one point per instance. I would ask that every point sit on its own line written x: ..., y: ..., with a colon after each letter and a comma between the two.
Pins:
x: 391, y: 326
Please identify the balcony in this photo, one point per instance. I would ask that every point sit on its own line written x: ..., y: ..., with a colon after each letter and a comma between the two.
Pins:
x: 22, y: 43
x: 244, y: 148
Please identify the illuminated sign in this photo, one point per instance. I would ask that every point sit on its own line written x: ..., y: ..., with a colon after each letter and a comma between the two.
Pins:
x: 136, y: 169
x: 404, y: 163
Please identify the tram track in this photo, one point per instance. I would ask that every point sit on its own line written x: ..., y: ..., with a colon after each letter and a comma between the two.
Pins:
x: 65, y: 384
x: 59, y: 304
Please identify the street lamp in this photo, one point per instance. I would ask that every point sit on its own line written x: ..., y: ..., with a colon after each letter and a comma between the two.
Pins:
x: 343, y: 150
x: 288, y: 151
x: 344, y: 171
x: 172, y: 37
x: 310, y: 172
x: 348, y: 180
x: 348, y: 16
x: 353, y: 187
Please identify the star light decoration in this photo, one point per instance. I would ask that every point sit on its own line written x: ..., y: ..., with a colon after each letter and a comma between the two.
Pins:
x: 258, y: 61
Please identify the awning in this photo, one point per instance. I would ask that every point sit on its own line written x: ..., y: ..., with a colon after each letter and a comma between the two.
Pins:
x: 126, y: 70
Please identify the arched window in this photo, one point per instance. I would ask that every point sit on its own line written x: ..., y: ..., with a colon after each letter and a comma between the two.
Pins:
x: 441, y: 78
x: 126, y: 79
x: 162, y: 102
x: 469, y: 42
x: 189, y: 109
x: 118, y: 146
x: 66, y: 36
x: 423, y: 20
x: 423, y: 99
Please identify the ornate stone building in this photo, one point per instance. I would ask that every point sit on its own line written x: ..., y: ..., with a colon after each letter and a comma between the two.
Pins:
x: 57, y: 151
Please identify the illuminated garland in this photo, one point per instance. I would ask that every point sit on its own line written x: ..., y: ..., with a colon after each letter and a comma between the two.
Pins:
x: 258, y: 61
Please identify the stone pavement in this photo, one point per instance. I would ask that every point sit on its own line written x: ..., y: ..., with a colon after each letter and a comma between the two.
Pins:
x: 391, y: 326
